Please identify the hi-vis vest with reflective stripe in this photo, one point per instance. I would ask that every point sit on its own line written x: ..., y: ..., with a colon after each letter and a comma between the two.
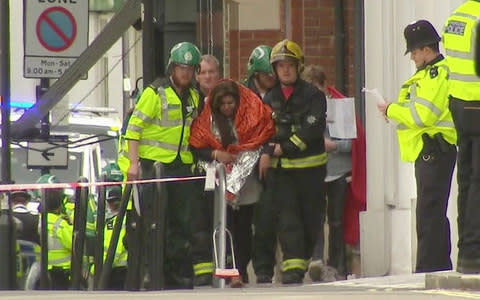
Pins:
x: 301, y: 162
x: 422, y: 107
x: 459, y: 43
x: 121, y: 254
x: 157, y: 123
x: 59, y: 242
x: 123, y: 161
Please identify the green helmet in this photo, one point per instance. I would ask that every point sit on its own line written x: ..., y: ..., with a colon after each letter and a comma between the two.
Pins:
x: 184, y: 53
x: 259, y: 60
x: 47, y: 178
x: 112, y: 172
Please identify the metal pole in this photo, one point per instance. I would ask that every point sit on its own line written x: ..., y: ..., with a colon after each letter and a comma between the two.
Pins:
x: 148, y: 42
x: 359, y: 58
x: 45, y: 122
x: 79, y: 228
x: 99, y: 239
x: 44, y: 243
x: 219, y: 223
x: 7, y: 230
x: 340, y: 46
x: 159, y: 231
x: 126, y: 73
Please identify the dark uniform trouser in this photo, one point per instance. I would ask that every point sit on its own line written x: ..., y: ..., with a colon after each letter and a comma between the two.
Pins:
x: 468, y: 175
x: 265, y: 232
x: 433, y: 173
x: 177, y: 265
x: 59, y: 278
x: 300, y: 195
x: 336, y: 193
x: 465, y: 116
x: 202, y: 226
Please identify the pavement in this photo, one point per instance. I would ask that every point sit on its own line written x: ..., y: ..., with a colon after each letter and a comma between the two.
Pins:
x: 439, y: 285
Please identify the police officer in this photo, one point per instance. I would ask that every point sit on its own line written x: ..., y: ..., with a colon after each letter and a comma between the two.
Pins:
x: 297, y: 158
x: 158, y: 131
x: 426, y: 136
x: 60, y: 233
x: 260, y: 79
x: 28, y: 231
x: 464, y: 94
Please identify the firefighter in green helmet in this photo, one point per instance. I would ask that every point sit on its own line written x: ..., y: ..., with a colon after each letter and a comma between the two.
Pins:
x: 260, y: 77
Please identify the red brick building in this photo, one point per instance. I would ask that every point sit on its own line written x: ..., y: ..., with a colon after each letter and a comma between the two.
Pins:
x: 310, y: 23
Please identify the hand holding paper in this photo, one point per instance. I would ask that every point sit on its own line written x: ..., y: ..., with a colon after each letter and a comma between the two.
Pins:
x: 382, y: 105
x: 376, y: 93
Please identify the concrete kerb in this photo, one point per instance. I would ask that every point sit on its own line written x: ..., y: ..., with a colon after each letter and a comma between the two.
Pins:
x: 452, y: 280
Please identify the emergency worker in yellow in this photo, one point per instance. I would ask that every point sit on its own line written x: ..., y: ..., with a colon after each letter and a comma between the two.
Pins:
x: 119, y: 267
x: 426, y: 136
x: 158, y: 131
x: 293, y: 162
x: 459, y: 42
x: 60, y: 233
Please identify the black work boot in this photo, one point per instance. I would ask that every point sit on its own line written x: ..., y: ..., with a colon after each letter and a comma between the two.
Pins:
x: 292, y: 276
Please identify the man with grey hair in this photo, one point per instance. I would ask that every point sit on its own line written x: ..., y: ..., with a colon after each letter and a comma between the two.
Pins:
x: 207, y: 77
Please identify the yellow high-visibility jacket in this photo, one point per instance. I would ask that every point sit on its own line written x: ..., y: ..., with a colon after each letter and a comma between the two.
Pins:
x: 158, y: 124
x: 422, y: 107
x: 459, y: 43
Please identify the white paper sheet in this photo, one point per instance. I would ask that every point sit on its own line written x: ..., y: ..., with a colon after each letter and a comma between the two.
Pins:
x: 341, y: 118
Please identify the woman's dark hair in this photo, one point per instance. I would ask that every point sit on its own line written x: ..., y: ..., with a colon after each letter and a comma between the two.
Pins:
x: 222, y: 89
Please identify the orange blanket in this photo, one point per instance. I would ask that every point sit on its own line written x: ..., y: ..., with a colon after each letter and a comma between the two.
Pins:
x: 253, y: 124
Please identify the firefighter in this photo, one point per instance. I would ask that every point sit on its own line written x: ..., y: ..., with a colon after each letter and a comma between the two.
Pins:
x: 260, y: 79
x: 427, y: 137
x: 158, y: 131
x: 294, y: 161
x: 464, y: 95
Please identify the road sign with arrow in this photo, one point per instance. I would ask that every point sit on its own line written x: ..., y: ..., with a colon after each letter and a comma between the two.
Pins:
x: 51, y: 153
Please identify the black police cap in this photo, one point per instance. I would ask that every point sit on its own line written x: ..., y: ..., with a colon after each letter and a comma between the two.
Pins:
x: 419, y: 34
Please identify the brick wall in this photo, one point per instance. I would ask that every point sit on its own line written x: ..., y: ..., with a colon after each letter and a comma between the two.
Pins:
x: 243, y: 42
x: 312, y: 27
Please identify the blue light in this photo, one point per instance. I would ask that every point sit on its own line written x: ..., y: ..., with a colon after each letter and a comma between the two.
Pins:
x: 23, y: 105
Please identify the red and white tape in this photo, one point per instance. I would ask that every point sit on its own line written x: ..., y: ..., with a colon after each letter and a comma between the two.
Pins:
x: 38, y: 186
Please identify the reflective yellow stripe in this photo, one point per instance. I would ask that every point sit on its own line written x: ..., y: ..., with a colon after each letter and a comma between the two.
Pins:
x: 203, y: 268
x: 464, y: 77
x: 298, y: 142
x: 465, y: 15
x: 300, y: 163
x: 163, y: 145
x: 442, y: 123
x: 294, y: 263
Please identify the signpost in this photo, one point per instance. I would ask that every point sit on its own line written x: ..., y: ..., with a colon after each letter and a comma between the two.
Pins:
x: 56, y: 33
